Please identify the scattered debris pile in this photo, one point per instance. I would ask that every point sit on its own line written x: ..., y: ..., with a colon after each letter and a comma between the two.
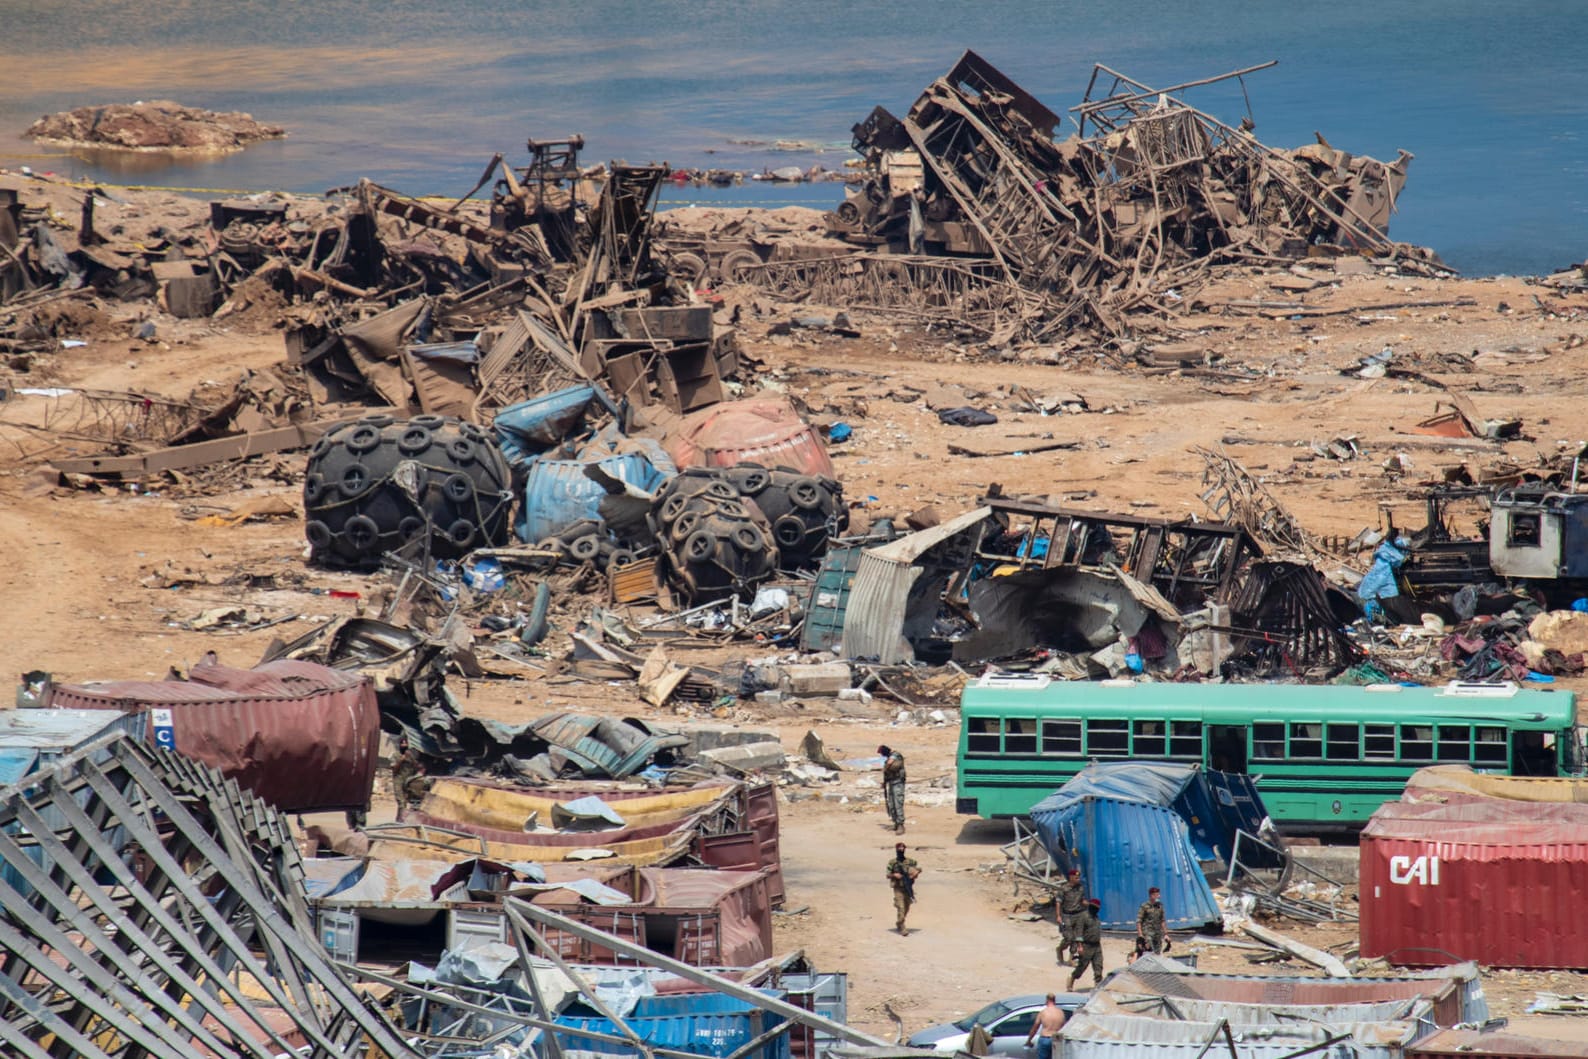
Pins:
x: 977, y: 211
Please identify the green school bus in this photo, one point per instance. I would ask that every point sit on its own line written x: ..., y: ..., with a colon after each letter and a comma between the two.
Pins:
x: 1323, y: 757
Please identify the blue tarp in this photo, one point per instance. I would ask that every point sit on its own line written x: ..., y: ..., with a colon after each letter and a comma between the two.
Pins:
x: 1131, y: 825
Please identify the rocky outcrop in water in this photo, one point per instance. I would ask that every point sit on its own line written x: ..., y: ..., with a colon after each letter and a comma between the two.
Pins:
x: 153, y: 125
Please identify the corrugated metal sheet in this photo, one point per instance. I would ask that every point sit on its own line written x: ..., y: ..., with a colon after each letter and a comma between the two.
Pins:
x: 1124, y: 848
x: 557, y: 493
x: 829, y: 599
x: 764, y: 430
x: 1498, y: 882
x: 1498, y: 1044
x: 874, y: 616
x: 1156, y: 1005
x: 302, y: 736
x: 1456, y: 992
x: 1115, y: 1037
x: 31, y: 739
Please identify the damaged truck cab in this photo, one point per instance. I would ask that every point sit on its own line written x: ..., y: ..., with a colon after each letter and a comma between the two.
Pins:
x: 1540, y: 533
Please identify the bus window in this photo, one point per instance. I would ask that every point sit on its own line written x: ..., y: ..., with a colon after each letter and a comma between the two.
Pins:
x: 1108, y: 738
x: 981, y: 735
x: 1268, y: 741
x: 1532, y: 754
x: 1061, y: 737
x: 1417, y: 742
x: 1455, y: 742
x: 1378, y: 742
x: 1020, y: 735
x: 1149, y: 740
x: 1489, y: 746
x: 1185, y: 739
x: 1227, y: 747
x: 1306, y: 739
x: 1343, y: 743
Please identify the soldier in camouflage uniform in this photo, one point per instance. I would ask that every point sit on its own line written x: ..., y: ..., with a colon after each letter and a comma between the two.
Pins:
x: 893, y: 785
x: 1071, y: 899
x: 1091, y: 939
x: 902, y: 873
x: 407, y: 778
x: 1149, y: 922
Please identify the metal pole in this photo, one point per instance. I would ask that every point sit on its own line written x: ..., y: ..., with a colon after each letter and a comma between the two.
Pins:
x: 518, y: 907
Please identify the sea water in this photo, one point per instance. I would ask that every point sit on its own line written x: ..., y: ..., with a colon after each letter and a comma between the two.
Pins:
x: 1492, y: 98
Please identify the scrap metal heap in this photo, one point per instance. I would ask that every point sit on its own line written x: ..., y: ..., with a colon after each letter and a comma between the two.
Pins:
x: 977, y: 209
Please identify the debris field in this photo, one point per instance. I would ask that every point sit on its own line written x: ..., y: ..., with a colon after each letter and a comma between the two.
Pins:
x: 580, y: 500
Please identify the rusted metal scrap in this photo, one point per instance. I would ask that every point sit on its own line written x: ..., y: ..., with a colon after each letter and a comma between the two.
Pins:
x: 1121, y: 218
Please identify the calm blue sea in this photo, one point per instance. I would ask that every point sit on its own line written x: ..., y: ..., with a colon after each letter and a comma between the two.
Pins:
x: 1491, y: 97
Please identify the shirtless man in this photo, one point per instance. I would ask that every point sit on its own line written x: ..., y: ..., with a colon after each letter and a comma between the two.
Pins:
x: 1050, y: 1020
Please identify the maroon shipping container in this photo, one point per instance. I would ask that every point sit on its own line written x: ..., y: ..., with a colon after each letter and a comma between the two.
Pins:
x: 1499, y: 882
x: 302, y: 736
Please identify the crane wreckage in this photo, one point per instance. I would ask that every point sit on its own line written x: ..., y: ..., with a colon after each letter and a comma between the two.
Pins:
x: 972, y: 207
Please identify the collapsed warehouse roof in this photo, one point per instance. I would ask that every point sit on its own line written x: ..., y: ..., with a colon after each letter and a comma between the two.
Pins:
x: 980, y: 212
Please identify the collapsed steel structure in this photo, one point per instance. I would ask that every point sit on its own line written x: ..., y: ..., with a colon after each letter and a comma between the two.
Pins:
x: 152, y: 908
x: 1083, y: 230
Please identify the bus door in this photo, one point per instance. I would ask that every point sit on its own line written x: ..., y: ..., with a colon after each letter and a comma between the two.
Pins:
x: 1227, y: 747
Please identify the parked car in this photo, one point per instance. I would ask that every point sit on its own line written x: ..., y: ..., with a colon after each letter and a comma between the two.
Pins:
x: 1007, y: 1023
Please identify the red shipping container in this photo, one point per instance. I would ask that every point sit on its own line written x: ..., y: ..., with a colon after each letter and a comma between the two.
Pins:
x: 302, y: 736
x: 1499, y: 882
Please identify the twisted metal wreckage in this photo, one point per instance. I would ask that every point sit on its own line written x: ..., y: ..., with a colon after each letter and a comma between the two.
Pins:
x: 978, y: 213
x: 152, y: 908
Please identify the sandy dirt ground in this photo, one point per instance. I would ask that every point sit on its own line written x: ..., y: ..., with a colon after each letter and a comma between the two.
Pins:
x: 83, y: 586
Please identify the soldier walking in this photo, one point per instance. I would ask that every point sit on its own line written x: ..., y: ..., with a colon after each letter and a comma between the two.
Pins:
x: 893, y: 785
x: 1091, y: 938
x: 902, y: 873
x: 1071, y: 900
x: 1149, y: 923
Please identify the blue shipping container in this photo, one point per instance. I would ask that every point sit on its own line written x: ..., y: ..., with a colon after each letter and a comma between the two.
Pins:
x: 705, y: 1024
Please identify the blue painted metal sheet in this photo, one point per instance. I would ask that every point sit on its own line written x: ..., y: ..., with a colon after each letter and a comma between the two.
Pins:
x: 1123, y: 848
x: 529, y: 428
x: 706, y: 1024
x: 558, y: 494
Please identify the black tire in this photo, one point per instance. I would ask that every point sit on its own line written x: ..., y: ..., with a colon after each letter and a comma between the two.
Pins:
x: 380, y: 421
x: 459, y: 489
x: 428, y: 422
x: 534, y: 629
x: 355, y: 480
x: 699, y: 546
x: 361, y: 532
x: 461, y: 533
x: 732, y: 509
x: 806, y: 494
x: 748, y: 538
x: 462, y: 450
x: 313, y: 489
x: 414, y: 440
x: 410, y: 527
x: 364, y: 437
x: 552, y: 544
x: 752, y: 480
x: 789, y: 532
x: 722, y: 490
x: 684, y: 527
x: 690, y: 267
x: 585, y: 548
x: 318, y: 534
x: 620, y: 557
x: 674, y: 507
